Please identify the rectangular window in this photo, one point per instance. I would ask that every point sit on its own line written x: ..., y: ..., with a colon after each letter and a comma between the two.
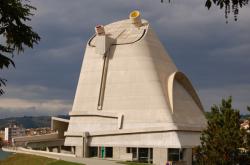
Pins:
x: 128, y: 150
x: 151, y: 155
x: 134, y: 153
x: 143, y: 155
x: 93, y: 151
x: 132, y: 150
x: 175, y: 154
x: 108, y: 152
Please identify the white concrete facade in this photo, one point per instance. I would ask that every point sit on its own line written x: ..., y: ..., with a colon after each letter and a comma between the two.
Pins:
x: 13, y: 131
x: 131, y: 94
x: 6, y: 134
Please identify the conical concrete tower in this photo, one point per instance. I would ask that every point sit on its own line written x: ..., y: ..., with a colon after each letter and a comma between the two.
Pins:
x: 131, y: 100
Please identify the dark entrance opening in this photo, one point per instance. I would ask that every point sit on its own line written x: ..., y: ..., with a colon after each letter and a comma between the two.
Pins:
x: 108, y: 152
x: 93, y: 151
x: 143, y: 155
x: 132, y: 150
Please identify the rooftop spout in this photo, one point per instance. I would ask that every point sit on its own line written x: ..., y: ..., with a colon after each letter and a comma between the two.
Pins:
x: 99, y: 30
x: 135, y: 18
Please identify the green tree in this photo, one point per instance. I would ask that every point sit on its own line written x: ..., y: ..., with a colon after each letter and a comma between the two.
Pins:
x: 247, y: 135
x: 222, y: 139
x: 227, y: 5
x: 1, y: 142
x: 16, y: 34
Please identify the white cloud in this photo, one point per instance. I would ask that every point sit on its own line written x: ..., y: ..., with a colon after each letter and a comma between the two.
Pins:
x: 35, y: 92
x: 34, y: 100
x: 20, y: 107
x: 53, y: 105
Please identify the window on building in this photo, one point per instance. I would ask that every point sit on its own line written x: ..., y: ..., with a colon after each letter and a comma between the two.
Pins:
x: 108, y: 152
x: 143, y: 154
x: 132, y: 150
x: 151, y: 155
x: 93, y: 151
x: 66, y: 148
x: 128, y: 150
x: 134, y: 153
x: 175, y: 154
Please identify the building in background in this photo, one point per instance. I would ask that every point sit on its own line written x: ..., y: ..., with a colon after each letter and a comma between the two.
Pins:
x: 245, y: 124
x: 13, y: 130
x: 45, y: 139
x: 38, y: 131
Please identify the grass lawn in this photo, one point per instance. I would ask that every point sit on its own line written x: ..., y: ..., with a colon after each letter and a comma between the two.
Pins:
x: 25, y: 159
x: 133, y: 163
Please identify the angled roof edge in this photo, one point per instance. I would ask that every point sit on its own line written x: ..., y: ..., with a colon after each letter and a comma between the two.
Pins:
x: 185, y: 82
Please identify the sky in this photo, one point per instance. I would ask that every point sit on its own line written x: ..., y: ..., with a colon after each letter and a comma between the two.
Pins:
x: 214, y: 55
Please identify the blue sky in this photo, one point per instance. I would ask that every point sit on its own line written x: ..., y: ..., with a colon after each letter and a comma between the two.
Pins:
x: 213, y: 54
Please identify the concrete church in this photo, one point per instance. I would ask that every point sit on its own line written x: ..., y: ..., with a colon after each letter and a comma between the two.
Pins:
x: 132, y: 103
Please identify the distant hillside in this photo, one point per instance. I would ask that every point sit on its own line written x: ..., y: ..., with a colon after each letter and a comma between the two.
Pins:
x: 29, y: 121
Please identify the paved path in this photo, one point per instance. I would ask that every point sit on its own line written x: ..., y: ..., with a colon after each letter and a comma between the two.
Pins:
x: 86, y: 161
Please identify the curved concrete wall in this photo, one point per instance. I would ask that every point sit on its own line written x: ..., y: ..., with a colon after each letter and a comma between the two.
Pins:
x: 136, y: 90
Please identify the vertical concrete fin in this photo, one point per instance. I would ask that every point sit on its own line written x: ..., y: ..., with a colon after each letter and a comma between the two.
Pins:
x: 103, y: 82
x: 120, y: 121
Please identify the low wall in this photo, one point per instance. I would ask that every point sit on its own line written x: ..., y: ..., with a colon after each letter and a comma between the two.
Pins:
x: 35, y: 152
x: 36, y: 138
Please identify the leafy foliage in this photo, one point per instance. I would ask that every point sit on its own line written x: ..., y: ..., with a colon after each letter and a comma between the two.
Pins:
x: 228, y: 6
x: 247, y: 135
x: 17, y: 35
x: 2, y: 83
x: 1, y: 142
x: 222, y: 139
